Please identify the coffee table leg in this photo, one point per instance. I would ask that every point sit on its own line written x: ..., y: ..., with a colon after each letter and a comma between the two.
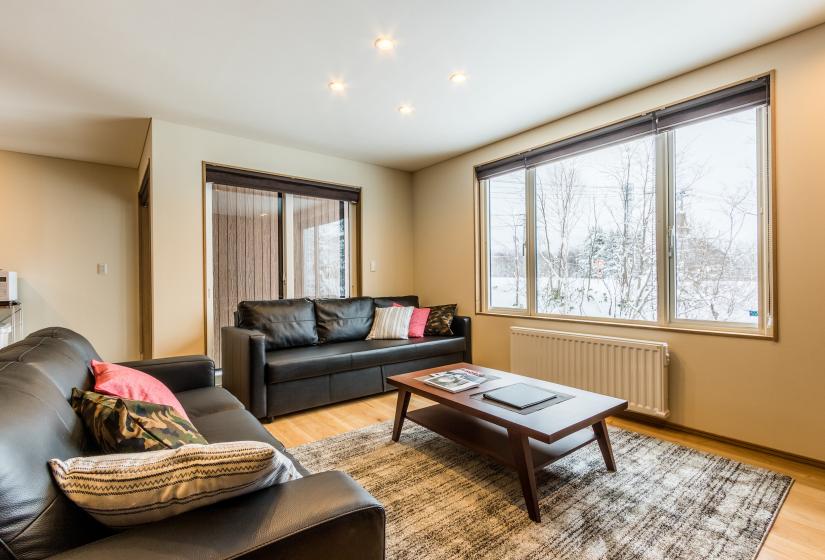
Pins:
x: 523, y: 460
x: 600, y: 428
x: 400, y: 413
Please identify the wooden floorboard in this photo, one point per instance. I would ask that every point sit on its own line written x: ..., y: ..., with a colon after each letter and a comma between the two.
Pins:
x: 797, y: 534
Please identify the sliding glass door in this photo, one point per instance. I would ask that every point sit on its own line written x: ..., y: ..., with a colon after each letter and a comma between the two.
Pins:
x: 320, y: 255
x: 264, y: 244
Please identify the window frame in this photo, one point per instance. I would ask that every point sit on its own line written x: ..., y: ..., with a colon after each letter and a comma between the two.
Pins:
x: 666, y: 318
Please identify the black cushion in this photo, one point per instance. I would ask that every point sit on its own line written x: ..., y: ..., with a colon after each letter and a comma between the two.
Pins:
x: 207, y: 400
x: 233, y: 425
x: 379, y: 352
x: 406, y: 301
x: 286, y: 323
x: 239, y: 425
x: 343, y: 319
x: 301, y: 363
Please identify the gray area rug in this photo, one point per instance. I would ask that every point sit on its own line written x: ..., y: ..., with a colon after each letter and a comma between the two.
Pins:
x: 666, y: 501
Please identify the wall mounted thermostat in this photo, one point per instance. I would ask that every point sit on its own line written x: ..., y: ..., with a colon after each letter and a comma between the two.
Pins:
x: 8, y: 285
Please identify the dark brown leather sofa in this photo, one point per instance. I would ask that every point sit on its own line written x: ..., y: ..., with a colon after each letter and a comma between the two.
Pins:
x: 283, y: 356
x: 319, y: 516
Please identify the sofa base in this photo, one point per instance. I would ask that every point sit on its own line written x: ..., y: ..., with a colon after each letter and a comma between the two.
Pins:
x: 302, y: 394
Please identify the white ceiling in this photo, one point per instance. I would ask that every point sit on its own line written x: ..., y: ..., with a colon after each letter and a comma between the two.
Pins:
x: 79, y: 78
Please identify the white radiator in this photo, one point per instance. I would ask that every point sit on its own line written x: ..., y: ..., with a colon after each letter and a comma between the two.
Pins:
x: 633, y: 370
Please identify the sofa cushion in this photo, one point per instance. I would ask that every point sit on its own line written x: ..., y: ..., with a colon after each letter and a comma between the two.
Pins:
x: 382, y: 352
x: 125, y: 426
x: 130, y: 489
x: 116, y: 380
x: 300, y: 363
x: 233, y: 425
x: 239, y: 425
x: 440, y: 319
x: 286, y: 323
x: 343, y: 319
x: 405, y: 301
x: 207, y: 400
x: 391, y: 323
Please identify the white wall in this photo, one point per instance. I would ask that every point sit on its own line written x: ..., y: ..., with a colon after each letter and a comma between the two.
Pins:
x: 60, y: 219
x: 177, y: 154
x: 764, y: 392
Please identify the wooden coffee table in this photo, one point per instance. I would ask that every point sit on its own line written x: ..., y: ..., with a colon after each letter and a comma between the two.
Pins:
x: 525, y: 443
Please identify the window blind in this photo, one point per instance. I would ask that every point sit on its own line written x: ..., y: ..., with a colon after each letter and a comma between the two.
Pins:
x: 280, y: 183
x: 742, y: 96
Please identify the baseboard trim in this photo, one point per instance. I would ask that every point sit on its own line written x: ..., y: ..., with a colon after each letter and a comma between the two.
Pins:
x: 658, y: 422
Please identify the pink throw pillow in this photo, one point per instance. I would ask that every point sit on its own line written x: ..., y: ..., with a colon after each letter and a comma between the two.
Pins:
x: 418, y: 321
x: 127, y: 383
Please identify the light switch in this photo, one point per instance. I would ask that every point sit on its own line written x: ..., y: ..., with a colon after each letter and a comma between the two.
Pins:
x: 103, y: 269
x: 373, y: 267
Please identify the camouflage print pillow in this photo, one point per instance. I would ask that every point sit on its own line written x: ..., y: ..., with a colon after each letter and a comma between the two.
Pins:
x: 440, y: 319
x: 124, y: 426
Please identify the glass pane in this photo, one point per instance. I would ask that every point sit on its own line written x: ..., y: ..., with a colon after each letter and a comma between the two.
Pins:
x: 244, y: 253
x: 507, y: 241
x: 596, y: 233
x: 715, y: 219
x: 320, y: 244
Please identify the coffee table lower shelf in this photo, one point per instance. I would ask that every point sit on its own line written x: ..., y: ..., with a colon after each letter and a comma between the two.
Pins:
x: 492, y: 440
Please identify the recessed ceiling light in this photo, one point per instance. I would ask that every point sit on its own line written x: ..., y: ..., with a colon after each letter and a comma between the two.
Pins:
x: 406, y: 109
x: 458, y: 77
x: 337, y: 86
x: 384, y: 44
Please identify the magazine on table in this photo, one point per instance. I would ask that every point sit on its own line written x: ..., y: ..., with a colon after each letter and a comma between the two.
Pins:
x: 455, y: 380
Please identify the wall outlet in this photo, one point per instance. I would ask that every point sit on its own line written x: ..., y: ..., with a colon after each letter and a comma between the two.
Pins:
x: 103, y: 269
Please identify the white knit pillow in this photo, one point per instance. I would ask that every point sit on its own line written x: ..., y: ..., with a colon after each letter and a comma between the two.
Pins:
x: 391, y: 323
x: 126, y: 489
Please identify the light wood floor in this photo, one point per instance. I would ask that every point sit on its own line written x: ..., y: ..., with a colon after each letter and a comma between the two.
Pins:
x: 799, y: 531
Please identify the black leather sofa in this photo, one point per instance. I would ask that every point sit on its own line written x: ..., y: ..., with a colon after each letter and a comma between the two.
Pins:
x: 283, y: 356
x: 322, y: 515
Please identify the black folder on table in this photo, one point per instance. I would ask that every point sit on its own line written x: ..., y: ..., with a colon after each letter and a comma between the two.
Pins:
x: 519, y: 395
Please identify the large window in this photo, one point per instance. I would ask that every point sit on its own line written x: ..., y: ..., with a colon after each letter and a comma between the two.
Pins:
x: 661, y: 220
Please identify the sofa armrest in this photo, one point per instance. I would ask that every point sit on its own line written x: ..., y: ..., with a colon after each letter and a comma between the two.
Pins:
x: 461, y: 326
x: 327, y: 515
x: 180, y: 373
x: 243, y: 355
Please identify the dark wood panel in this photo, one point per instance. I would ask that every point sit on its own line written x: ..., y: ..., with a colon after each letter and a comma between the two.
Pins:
x: 244, y: 252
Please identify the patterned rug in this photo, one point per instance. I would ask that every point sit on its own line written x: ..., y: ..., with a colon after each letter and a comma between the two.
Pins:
x: 666, y: 501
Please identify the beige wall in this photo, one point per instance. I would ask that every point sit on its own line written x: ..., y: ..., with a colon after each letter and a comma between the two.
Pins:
x: 177, y: 220
x: 764, y: 392
x: 60, y: 219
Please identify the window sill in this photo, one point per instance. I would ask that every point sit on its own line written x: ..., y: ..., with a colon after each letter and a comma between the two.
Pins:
x: 634, y: 325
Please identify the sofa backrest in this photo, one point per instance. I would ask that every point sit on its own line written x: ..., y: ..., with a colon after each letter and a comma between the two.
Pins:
x: 342, y: 319
x: 406, y: 301
x: 286, y: 323
x: 36, y: 378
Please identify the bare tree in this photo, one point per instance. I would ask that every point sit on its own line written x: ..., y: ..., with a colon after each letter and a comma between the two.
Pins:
x: 557, y: 200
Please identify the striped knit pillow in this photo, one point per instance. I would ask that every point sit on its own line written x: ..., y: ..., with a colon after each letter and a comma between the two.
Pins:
x: 392, y: 323
x: 126, y: 489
